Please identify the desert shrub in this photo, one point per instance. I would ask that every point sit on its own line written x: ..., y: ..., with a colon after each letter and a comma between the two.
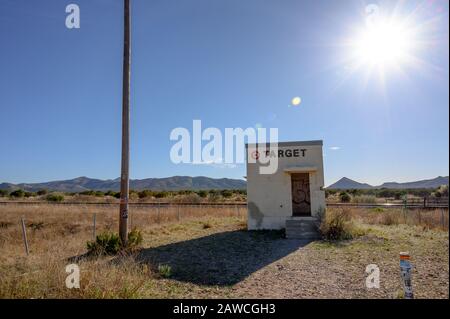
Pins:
x: 145, y: 193
x: 214, y: 195
x: 337, y: 226
x: 354, y: 192
x: 19, y: 193
x: 3, y: 193
x: 55, y: 197
x: 344, y: 197
x: 109, y: 243
x: 162, y: 194
x: 202, y: 193
x: 135, y: 239
x: 226, y: 193
x: 165, y: 271
x: 442, y: 191
x: 105, y: 243
x: 87, y: 193
x: 92, y: 193
x: 112, y: 194
x: 399, y: 195
x: 42, y: 192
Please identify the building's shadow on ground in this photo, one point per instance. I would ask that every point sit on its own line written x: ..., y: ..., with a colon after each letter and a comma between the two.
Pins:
x: 222, y: 258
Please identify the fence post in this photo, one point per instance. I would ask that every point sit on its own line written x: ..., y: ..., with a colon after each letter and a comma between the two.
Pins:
x: 405, y: 208
x: 178, y: 212
x: 405, y: 271
x: 442, y: 219
x: 158, y: 212
x: 94, y: 225
x: 24, y: 234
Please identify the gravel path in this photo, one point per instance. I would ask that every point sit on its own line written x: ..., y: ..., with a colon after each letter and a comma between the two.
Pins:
x: 324, y: 270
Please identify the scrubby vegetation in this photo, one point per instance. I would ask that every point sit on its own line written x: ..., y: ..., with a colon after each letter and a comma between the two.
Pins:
x: 186, y: 196
x: 344, y: 197
x: 338, y: 225
x: 383, y: 195
x: 55, y: 197
x: 109, y: 243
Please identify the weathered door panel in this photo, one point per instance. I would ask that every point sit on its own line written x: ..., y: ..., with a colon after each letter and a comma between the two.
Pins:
x: 301, y: 199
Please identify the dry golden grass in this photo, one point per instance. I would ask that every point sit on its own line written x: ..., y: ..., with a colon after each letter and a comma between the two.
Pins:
x: 58, y: 232
x: 428, y: 219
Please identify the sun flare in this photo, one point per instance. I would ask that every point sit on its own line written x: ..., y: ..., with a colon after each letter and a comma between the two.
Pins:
x: 383, y: 44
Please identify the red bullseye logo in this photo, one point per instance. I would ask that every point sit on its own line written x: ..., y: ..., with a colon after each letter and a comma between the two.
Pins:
x: 255, y: 155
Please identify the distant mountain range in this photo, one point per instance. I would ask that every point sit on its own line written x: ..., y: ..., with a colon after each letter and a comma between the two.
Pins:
x: 347, y: 183
x: 170, y: 183
x: 81, y: 184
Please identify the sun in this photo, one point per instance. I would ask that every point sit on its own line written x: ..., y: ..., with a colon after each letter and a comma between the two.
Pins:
x: 388, y: 43
x: 383, y: 44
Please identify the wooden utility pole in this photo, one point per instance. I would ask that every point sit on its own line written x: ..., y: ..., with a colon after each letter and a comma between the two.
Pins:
x: 124, y: 180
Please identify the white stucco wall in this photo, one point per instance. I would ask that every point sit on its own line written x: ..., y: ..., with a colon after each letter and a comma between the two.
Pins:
x: 269, y: 195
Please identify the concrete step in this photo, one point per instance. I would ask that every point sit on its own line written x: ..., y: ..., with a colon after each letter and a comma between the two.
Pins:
x: 302, y: 228
x: 304, y: 235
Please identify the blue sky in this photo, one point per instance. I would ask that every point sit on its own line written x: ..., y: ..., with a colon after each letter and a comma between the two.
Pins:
x: 228, y: 63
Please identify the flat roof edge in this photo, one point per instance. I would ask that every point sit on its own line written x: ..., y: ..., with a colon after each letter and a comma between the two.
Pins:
x: 290, y: 143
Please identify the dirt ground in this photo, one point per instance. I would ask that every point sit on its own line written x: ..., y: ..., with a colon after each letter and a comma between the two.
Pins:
x: 243, y: 264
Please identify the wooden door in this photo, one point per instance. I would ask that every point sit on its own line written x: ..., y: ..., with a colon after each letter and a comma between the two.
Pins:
x: 301, y: 199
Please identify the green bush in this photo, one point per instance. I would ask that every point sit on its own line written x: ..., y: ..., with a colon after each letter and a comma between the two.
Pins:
x: 42, y: 192
x: 344, y: 197
x: 112, y: 193
x: 3, y: 193
x: 135, y: 239
x: 145, y: 193
x: 162, y: 194
x: 105, y: 243
x: 109, y: 243
x: 226, y: 193
x: 55, y: 197
x: 337, y: 226
x: 165, y: 271
x: 19, y: 193
x: 442, y: 191
x: 202, y: 193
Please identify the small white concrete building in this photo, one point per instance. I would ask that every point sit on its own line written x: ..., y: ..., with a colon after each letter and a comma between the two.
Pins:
x: 291, y: 195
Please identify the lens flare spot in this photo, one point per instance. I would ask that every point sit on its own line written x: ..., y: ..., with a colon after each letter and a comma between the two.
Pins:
x: 296, y: 101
